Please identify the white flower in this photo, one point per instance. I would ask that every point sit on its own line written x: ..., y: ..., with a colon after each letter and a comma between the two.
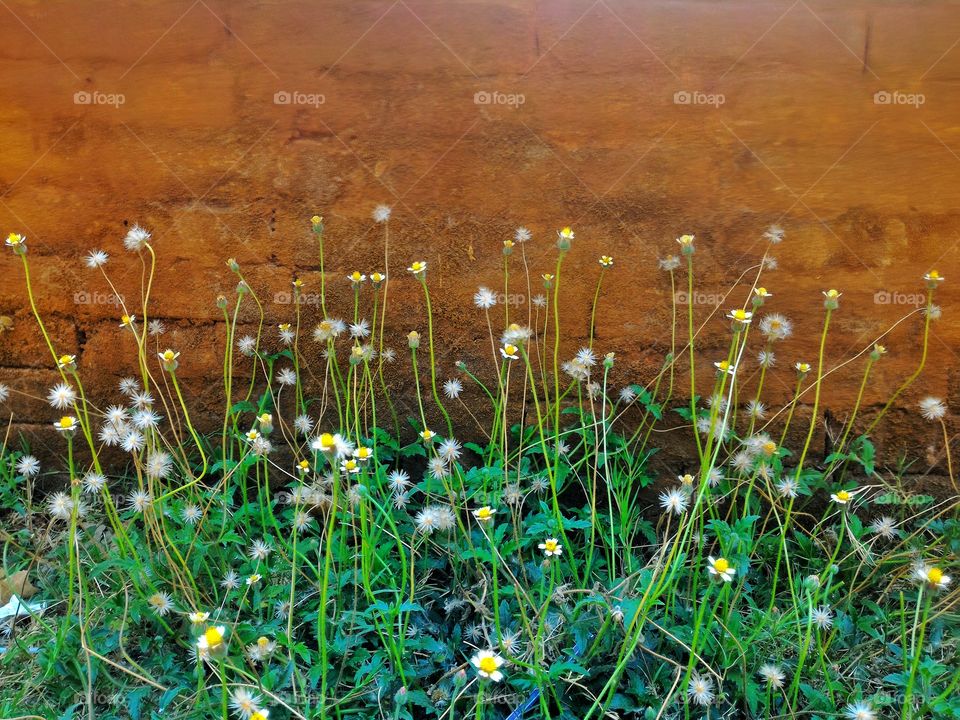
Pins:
x: 303, y: 424
x: 774, y: 234
x: 452, y: 388
x: 932, y: 408
x: 161, y: 603
x: 244, y: 702
x: 136, y: 238
x: 287, y: 376
x: 129, y: 386
x: 62, y: 396
x: 551, y: 547
x: 398, y: 480
x: 885, y: 527
x: 449, y: 450
x: 139, y: 500
x: 776, y: 327
x: 488, y: 665
x: 93, y: 483
x: 674, y: 501
x: 822, y: 617
x: 360, y: 329
x: 145, y: 419
x: 700, y: 689
x: 246, y: 345
x: 159, y: 464
x: 96, y: 258
x: 259, y: 550
x: 787, y: 488
x: 133, y: 441
x: 720, y: 568
x: 191, y: 514
x: 28, y: 466
x: 156, y: 328
x: 230, y: 581
x: 669, y: 263
x: 142, y: 400
x: 860, y: 711
x: 60, y: 506
x: 521, y: 234
x: 381, y: 213
x: 772, y: 675
x: 485, y: 298
x: 932, y: 576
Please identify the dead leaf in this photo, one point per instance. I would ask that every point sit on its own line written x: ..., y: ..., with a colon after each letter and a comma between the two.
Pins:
x: 17, y: 584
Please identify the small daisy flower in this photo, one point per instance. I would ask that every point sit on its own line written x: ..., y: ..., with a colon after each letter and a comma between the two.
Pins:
x: 198, y: 618
x: 740, y: 317
x: 885, y: 527
x: 452, y: 388
x: 169, y: 359
x: 721, y: 569
x: 606, y: 261
x: 60, y: 506
x: 253, y: 579
x: 725, y: 366
x: 191, y: 514
x: 842, y: 497
x: 418, y: 267
x: 127, y: 320
x: 17, y: 243
x: 509, y: 352
x: 230, y: 581
x: 287, y: 376
x: 832, y: 299
x: 139, y: 500
x: 686, y: 244
x: 484, y: 514
x: 933, y: 279
x: 213, y: 640
x: 802, y: 368
x: 259, y: 550
x: 398, y: 480
x: 350, y: 467
x: 933, y: 577
x: 427, y: 435
x: 488, y: 665
x: 551, y: 547
x: 775, y: 327
x: 67, y: 363
x: 67, y: 425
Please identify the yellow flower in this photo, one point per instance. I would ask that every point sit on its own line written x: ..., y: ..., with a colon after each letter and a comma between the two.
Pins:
x: 934, y: 277
x: 298, y: 284
x: 484, y: 514
x: 428, y: 435
x: 127, y: 320
x: 508, y: 243
x: 566, y: 234
x: 303, y: 466
x: 842, y: 497
x: 761, y: 292
x: 198, y: 618
x: 363, y: 453
x: 606, y: 261
x: 212, y: 641
x: 316, y: 220
x: 357, y: 278
x: 253, y: 435
x: 686, y: 479
x: 802, y: 368
x: 261, y: 714
x: 376, y: 278
x: 66, y: 424
x: 413, y: 339
x: 509, y: 352
x: 685, y: 241
x: 15, y: 240
x: 721, y: 569
x: 67, y: 362
x: 724, y: 366
x: 418, y: 267
x: 327, y: 443
x: 488, y: 665
x: 253, y: 579
x: 551, y: 547
x: 740, y: 316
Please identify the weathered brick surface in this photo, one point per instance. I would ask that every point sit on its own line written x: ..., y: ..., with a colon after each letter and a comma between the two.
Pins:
x: 201, y: 154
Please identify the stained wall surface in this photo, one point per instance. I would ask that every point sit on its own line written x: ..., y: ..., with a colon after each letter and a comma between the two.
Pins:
x: 223, y: 126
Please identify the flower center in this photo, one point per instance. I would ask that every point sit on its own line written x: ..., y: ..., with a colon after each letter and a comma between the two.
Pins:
x: 214, y: 636
x: 935, y: 575
x: 488, y: 665
x: 721, y: 565
x: 66, y: 421
x: 843, y: 495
